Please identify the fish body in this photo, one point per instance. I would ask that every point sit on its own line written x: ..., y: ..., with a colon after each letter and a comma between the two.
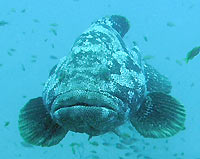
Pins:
x: 97, y: 87
x: 191, y: 54
x: 99, y: 75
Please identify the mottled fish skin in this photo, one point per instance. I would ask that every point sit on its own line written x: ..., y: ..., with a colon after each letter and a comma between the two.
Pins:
x: 99, y: 71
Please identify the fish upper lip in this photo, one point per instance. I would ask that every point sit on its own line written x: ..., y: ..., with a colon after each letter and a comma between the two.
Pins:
x: 91, y: 99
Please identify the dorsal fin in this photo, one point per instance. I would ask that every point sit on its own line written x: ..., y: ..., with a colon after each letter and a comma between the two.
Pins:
x: 117, y: 22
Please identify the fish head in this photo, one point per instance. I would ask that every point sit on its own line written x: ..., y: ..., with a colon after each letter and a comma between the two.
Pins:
x: 90, y: 97
x: 83, y: 98
x: 89, y: 93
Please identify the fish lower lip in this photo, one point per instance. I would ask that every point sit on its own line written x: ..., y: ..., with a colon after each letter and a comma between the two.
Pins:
x: 83, y: 105
x: 86, y: 119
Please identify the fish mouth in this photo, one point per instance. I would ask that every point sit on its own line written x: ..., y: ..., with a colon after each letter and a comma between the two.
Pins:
x: 83, y: 98
x: 79, y: 104
x: 88, y: 112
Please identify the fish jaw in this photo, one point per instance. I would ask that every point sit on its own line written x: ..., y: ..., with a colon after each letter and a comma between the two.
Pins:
x: 88, y: 112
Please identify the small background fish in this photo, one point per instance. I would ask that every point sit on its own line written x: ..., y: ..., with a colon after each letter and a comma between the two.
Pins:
x: 191, y: 54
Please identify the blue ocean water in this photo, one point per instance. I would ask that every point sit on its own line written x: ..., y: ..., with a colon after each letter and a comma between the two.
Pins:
x: 35, y: 34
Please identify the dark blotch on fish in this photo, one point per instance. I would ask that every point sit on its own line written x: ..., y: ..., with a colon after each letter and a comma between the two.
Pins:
x: 139, y: 155
x: 120, y: 146
x: 147, y: 157
x: 147, y: 144
x: 125, y: 136
x: 93, y: 151
x: 73, y: 145
x: 131, y: 128
x: 95, y: 157
x: 135, y: 149
x: 106, y: 144
x: 129, y: 141
x: 127, y: 154
x: 94, y: 143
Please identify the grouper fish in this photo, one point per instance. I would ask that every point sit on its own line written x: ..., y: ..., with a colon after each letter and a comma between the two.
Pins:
x: 97, y: 87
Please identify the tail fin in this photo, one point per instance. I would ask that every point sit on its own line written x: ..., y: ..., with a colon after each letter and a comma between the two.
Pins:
x: 117, y: 22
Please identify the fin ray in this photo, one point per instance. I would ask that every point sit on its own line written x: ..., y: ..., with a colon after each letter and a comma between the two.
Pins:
x: 159, y: 116
x: 36, y: 125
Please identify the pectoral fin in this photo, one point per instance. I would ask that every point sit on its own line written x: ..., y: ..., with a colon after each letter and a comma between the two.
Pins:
x: 159, y: 116
x: 36, y: 125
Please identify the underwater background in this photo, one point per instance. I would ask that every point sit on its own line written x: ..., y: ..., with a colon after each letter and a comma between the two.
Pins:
x: 35, y: 34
